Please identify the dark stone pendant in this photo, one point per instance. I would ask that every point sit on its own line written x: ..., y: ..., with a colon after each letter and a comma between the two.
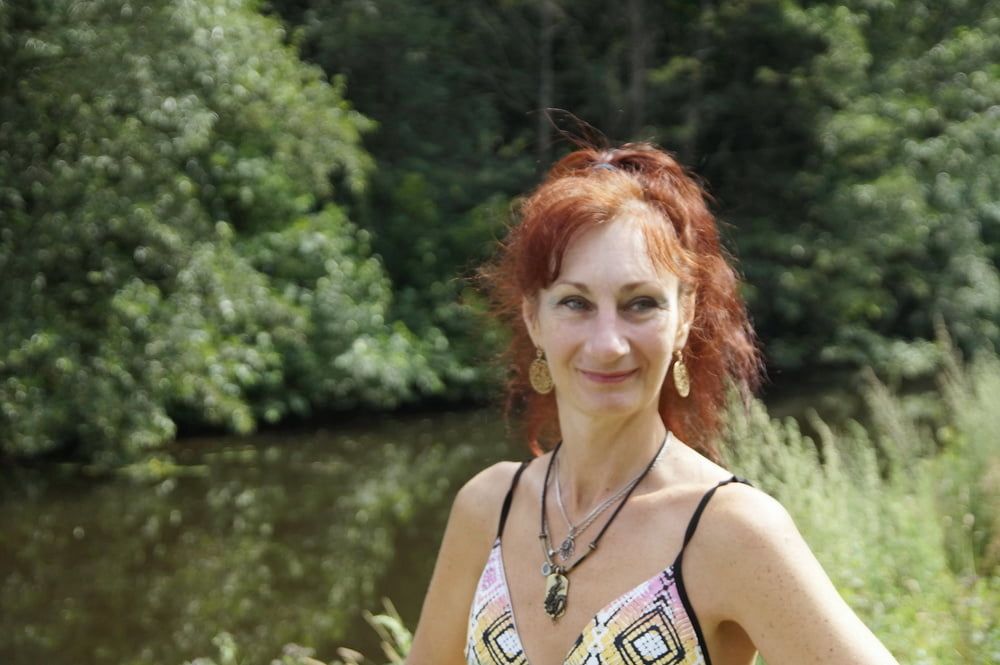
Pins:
x: 556, y: 589
x: 567, y: 548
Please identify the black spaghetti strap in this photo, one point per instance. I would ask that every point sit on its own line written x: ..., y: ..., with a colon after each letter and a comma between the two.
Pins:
x: 693, y: 524
x: 678, y: 569
x: 507, y: 499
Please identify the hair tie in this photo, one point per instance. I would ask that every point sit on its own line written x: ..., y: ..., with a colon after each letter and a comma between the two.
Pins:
x: 605, y: 166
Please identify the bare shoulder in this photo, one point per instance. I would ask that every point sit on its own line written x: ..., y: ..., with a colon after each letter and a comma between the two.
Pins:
x: 745, y: 539
x: 760, y: 574
x: 744, y: 516
x: 490, y: 482
x: 743, y: 519
x: 440, y: 633
x: 478, y: 503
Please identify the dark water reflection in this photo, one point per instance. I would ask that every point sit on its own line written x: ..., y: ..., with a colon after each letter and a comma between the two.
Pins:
x: 276, y: 538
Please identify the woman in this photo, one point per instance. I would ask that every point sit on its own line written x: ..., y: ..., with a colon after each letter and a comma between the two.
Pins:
x: 626, y: 542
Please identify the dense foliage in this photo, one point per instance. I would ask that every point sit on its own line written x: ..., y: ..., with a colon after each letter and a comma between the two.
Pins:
x: 851, y: 145
x: 198, y: 229
x: 170, y: 250
x: 902, y: 225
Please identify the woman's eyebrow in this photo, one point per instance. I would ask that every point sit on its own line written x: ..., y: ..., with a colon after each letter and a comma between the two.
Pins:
x: 576, y: 285
x: 629, y: 286
x: 634, y: 286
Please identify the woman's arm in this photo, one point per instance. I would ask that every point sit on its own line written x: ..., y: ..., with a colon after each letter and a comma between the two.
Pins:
x: 440, y: 635
x: 776, y: 590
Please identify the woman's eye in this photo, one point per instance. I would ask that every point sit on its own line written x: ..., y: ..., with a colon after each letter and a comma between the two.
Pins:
x: 643, y: 305
x: 574, y: 303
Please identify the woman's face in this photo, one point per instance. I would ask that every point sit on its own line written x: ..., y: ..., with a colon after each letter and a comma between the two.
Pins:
x: 609, y: 323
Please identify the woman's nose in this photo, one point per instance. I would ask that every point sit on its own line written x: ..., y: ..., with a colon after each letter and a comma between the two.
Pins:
x: 607, y: 341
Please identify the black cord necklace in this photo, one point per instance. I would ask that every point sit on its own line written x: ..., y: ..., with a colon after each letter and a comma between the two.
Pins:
x: 557, y: 576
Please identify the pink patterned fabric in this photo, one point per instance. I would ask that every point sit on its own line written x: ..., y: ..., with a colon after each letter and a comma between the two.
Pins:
x: 647, y: 625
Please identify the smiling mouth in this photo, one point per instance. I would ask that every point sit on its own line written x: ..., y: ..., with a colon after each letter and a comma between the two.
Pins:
x: 608, y: 377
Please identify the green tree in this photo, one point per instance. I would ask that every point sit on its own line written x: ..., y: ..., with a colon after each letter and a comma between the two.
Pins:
x: 851, y: 150
x: 903, y: 224
x: 449, y: 145
x: 847, y: 144
x: 448, y: 85
x: 169, y: 248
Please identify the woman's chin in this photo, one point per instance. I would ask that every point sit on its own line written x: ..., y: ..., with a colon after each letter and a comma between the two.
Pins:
x: 608, y: 403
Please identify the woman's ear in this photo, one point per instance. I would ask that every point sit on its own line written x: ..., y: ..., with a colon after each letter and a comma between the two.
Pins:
x: 686, y: 317
x: 529, y: 311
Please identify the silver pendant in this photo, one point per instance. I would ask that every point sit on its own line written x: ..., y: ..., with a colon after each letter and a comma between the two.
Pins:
x: 546, y: 569
x: 567, y: 548
x: 556, y: 589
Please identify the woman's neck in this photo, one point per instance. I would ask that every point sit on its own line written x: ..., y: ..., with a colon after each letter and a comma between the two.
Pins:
x: 597, y: 458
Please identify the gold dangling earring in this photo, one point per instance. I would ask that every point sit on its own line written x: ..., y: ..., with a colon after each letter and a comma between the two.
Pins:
x: 682, y: 380
x: 539, y: 375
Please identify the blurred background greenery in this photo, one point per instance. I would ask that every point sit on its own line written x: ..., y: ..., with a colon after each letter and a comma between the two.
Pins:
x: 218, y: 216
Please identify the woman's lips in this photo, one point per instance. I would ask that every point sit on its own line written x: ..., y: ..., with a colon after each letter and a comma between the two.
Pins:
x: 608, y: 377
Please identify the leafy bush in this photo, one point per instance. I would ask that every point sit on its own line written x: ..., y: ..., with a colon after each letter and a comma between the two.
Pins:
x: 900, y: 222
x: 170, y: 251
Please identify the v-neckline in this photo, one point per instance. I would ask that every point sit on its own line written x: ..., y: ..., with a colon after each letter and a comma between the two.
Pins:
x: 498, y: 546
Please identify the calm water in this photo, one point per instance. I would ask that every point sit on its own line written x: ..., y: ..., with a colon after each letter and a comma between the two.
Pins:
x: 274, y: 538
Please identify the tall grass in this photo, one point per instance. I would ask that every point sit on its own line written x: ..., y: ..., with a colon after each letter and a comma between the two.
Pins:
x: 902, y: 513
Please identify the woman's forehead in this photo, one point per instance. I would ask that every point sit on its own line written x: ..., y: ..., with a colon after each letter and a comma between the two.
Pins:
x: 615, y: 252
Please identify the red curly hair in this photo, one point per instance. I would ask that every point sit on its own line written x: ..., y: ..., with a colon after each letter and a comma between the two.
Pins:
x: 592, y: 186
